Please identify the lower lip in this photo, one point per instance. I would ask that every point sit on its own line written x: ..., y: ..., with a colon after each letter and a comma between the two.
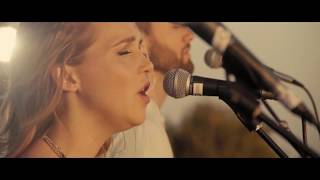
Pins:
x: 145, y: 98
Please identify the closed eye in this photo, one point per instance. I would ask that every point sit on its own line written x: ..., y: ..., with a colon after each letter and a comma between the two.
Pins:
x: 140, y: 43
x: 125, y: 52
x: 122, y: 53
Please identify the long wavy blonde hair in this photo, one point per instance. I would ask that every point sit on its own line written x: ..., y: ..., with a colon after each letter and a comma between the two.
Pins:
x: 33, y: 93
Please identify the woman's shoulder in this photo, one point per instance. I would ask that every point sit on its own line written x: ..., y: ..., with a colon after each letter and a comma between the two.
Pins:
x: 38, y: 149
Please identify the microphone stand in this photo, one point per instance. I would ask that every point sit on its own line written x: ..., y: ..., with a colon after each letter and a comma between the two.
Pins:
x: 253, y: 125
x: 272, y: 144
x: 242, y: 101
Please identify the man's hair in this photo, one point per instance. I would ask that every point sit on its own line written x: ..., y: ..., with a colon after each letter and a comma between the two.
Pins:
x: 144, y: 27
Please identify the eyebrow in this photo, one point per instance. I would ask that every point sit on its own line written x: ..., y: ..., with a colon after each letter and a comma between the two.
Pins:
x: 126, y: 40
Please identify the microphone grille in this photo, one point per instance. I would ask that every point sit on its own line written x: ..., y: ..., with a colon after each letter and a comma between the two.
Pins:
x: 213, y: 58
x: 176, y: 83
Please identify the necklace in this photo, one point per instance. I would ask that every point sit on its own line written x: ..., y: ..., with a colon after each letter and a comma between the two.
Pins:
x: 56, y: 149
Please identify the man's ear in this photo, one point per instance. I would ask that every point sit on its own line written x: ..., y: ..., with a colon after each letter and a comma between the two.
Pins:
x: 70, y: 81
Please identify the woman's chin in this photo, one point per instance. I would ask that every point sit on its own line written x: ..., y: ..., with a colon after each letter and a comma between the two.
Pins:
x: 138, y: 121
x: 133, y: 123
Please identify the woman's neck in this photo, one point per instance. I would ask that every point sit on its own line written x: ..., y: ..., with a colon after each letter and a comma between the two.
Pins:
x: 78, y: 132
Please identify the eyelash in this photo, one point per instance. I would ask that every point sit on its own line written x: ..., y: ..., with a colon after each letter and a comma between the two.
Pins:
x: 122, y: 53
x: 126, y: 52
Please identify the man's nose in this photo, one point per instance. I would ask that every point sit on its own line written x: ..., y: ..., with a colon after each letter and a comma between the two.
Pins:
x: 188, y: 36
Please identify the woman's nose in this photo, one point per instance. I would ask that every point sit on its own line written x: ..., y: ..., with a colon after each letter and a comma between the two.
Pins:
x: 147, y: 65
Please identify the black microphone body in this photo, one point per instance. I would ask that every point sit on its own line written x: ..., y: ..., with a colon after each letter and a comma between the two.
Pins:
x: 231, y: 93
x: 179, y: 83
x: 201, y: 86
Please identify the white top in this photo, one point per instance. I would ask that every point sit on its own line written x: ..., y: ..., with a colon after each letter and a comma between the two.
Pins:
x: 149, y: 139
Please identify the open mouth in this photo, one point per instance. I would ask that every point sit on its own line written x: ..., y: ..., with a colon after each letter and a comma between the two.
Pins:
x: 143, y: 93
x: 145, y: 88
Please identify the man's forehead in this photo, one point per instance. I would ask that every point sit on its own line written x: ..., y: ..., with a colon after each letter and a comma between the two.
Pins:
x: 160, y: 24
x: 161, y: 27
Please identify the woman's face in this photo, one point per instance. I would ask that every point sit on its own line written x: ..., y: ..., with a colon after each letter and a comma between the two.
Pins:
x: 114, y: 75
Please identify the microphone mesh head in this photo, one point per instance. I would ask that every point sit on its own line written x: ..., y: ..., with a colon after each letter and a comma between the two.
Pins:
x: 176, y: 83
x: 213, y: 58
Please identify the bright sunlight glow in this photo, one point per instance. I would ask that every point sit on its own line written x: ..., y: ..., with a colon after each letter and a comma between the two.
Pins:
x: 7, y: 42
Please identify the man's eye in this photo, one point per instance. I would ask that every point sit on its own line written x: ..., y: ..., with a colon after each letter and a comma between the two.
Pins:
x: 122, y: 53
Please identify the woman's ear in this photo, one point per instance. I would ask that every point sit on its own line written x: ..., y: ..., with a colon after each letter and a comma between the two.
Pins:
x: 70, y: 81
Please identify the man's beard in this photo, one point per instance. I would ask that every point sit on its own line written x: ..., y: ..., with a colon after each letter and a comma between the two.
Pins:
x: 165, y: 59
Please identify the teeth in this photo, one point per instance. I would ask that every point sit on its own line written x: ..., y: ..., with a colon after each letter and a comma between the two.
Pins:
x: 143, y: 93
x: 144, y: 90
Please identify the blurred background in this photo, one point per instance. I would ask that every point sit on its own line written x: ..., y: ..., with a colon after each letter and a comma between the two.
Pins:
x: 205, y: 126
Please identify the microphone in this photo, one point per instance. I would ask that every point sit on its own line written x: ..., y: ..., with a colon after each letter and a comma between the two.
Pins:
x: 213, y: 58
x: 248, y: 70
x: 179, y: 83
x: 238, y: 60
